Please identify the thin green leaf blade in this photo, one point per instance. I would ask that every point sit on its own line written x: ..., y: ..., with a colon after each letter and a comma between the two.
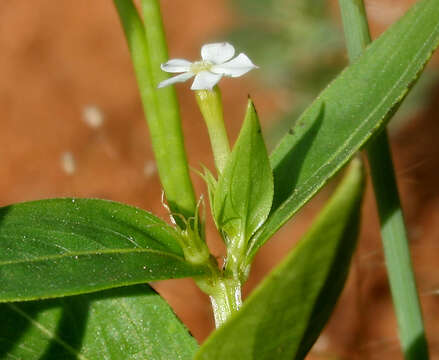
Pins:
x: 126, y: 323
x: 282, y: 318
x: 348, y: 112
x: 61, y: 247
x: 148, y: 49
x: 244, y: 192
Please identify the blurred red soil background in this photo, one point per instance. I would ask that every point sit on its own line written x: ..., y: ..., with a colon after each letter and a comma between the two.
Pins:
x: 72, y: 125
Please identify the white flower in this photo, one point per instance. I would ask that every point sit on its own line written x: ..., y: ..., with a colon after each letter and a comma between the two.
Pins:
x: 216, y: 62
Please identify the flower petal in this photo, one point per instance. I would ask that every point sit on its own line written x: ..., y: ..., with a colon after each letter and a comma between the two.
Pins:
x: 205, y: 80
x: 236, y: 67
x: 176, y: 66
x: 217, y: 53
x: 176, y: 79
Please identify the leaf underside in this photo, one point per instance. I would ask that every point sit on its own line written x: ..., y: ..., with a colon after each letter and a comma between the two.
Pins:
x: 125, y: 323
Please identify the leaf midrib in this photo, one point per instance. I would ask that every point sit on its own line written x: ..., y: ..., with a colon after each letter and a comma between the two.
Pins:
x: 94, y: 252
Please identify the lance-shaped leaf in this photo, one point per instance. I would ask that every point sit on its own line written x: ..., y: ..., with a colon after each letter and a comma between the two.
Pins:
x: 127, y: 323
x: 61, y: 247
x: 283, y: 317
x: 244, y: 192
x: 348, y: 112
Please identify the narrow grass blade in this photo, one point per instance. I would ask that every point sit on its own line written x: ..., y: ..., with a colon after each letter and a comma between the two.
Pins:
x: 394, y: 235
x: 148, y: 48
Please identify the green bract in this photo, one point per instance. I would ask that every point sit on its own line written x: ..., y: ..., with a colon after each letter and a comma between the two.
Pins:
x: 244, y: 192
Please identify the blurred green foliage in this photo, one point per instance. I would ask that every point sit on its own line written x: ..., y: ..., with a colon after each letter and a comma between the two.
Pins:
x: 299, y: 45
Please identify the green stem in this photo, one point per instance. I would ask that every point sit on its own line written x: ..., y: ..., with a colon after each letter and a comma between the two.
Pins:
x: 356, y: 28
x: 393, y: 231
x: 210, y: 104
x: 236, y: 265
x: 147, y: 46
x: 226, y: 299
x: 224, y: 291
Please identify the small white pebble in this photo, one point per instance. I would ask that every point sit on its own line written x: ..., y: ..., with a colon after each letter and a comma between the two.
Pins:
x: 68, y: 163
x: 93, y: 116
x: 322, y: 344
x: 150, y: 168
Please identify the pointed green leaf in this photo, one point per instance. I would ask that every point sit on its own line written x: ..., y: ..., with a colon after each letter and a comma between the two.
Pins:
x: 244, y: 191
x: 127, y: 323
x: 283, y: 317
x: 348, y: 112
x: 61, y: 247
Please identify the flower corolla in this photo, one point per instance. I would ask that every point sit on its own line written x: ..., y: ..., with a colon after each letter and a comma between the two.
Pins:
x: 217, y: 61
